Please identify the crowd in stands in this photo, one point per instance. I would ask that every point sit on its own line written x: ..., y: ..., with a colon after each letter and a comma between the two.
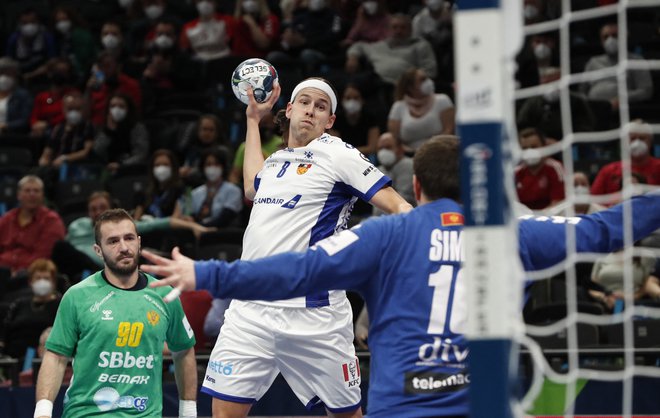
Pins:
x: 128, y: 103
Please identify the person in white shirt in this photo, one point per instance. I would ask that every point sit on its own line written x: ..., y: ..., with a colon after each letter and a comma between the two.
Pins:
x: 301, y: 195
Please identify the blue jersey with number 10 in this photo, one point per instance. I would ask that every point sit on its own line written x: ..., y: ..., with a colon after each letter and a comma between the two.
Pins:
x: 408, y: 269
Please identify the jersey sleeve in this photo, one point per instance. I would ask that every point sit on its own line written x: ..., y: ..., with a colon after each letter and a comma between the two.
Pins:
x: 180, y: 335
x: 358, y: 173
x: 542, y: 240
x: 343, y: 261
x: 63, y: 338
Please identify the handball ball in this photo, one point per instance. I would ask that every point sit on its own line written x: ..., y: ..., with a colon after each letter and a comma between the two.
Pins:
x: 255, y: 72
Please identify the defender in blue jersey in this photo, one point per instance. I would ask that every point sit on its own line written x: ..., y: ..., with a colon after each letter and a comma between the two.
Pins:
x: 408, y: 269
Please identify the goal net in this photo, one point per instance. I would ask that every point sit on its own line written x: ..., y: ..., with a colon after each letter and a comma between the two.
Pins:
x: 579, y: 349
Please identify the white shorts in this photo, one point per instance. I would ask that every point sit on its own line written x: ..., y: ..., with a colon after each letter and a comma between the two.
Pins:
x: 311, y: 347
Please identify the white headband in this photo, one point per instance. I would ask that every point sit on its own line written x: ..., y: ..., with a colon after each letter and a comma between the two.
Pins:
x: 317, y: 84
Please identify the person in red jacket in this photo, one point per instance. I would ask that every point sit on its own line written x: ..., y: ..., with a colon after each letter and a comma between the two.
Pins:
x: 608, y: 179
x: 107, y: 79
x: 29, y: 231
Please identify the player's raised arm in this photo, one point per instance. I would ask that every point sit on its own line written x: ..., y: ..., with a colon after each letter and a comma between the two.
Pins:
x: 254, y: 158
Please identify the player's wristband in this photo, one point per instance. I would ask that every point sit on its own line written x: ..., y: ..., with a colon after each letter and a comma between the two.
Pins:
x: 187, y: 409
x: 44, y: 408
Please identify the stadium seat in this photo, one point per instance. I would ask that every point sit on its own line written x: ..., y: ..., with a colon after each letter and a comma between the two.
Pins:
x: 165, y: 240
x: 15, y: 156
x: 72, y: 194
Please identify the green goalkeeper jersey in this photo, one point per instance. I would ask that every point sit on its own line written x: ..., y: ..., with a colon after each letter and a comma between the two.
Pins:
x: 116, y: 338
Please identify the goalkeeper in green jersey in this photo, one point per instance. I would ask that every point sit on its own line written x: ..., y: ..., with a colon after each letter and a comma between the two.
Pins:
x: 114, y: 326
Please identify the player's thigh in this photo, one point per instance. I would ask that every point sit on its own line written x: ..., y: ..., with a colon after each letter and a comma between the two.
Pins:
x: 317, y: 358
x: 242, y: 364
x: 225, y: 409
x: 352, y: 414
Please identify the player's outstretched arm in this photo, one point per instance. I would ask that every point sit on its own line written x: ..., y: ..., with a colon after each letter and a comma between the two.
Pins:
x: 179, y: 272
x: 49, y: 382
x: 389, y: 201
x: 253, y: 160
x: 543, y: 239
x: 185, y: 374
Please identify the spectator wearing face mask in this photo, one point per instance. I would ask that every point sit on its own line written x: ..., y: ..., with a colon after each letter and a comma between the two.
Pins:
x: 122, y: 140
x: 257, y: 29
x: 544, y: 48
x: 311, y: 38
x: 216, y: 203
x: 112, y: 41
x: 394, y: 163
x: 168, y: 70
x: 141, y: 32
x: 15, y: 101
x: 418, y: 112
x: 47, y: 108
x: 71, y: 140
x: 356, y: 122
x: 544, y: 112
x: 435, y: 24
x: 582, y: 204
x: 539, y: 180
x: 73, y: 39
x: 106, y: 79
x: 204, y: 134
x: 31, y: 45
x: 29, y: 316
x: 608, y: 180
x: 639, y: 82
x: 371, y: 24
x: 164, y: 187
x: 533, y: 11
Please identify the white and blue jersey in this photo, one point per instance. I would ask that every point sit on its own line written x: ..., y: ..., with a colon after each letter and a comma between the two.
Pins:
x: 306, y: 194
x: 407, y: 267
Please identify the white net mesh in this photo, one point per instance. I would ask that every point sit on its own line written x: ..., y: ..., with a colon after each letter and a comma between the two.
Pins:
x: 569, y: 341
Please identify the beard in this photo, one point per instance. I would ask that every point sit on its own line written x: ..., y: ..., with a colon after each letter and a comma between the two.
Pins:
x: 122, y: 270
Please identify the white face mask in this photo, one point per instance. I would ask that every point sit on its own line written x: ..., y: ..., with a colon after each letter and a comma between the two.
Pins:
x: 63, y: 26
x: 542, y: 51
x: 213, y: 172
x: 205, y: 8
x: 427, y: 87
x: 611, y: 45
x: 582, y: 191
x: 6, y: 83
x: 29, y: 29
x: 163, y: 42
x: 125, y: 4
x: 118, y: 113
x: 551, y: 96
x: 110, y: 41
x: 531, y: 11
x: 250, y: 6
x: 42, y: 287
x: 386, y: 157
x: 532, y: 158
x: 162, y: 172
x: 370, y: 7
x: 638, y: 148
x: 352, y: 106
x: 153, y: 12
x: 434, y: 5
x: 73, y: 117
x: 316, y: 5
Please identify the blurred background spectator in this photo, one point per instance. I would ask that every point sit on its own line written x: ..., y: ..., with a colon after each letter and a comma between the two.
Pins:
x: 15, y: 101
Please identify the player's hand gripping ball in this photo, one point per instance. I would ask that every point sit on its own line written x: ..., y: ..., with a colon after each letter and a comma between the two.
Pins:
x: 255, y: 72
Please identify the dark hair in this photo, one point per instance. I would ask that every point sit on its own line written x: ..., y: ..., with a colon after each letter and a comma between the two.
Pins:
x: 219, y: 154
x: 100, y: 194
x: 111, y: 215
x: 283, y: 124
x: 437, y: 167
x: 71, y: 13
x: 405, y: 83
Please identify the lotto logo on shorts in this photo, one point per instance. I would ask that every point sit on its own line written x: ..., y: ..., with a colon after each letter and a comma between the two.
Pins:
x: 351, y: 373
